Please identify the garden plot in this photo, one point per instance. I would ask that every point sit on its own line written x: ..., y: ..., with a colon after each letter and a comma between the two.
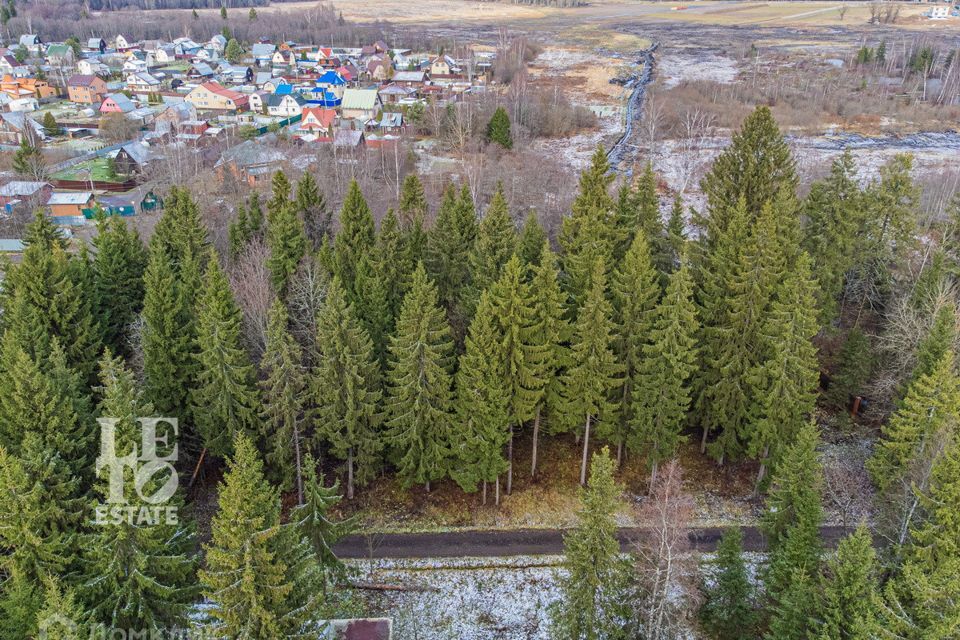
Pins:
x: 675, y: 68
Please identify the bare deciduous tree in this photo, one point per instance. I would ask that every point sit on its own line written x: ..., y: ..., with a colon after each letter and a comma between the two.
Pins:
x: 250, y: 282
x: 666, y: 571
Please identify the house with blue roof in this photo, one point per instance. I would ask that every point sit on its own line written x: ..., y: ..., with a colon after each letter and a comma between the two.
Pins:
x: 320, y: 97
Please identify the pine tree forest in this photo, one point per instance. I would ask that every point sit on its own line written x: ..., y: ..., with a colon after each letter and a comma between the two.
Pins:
x: 456, y: 359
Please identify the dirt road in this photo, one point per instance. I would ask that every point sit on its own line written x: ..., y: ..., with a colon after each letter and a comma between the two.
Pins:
x: 521, y: 542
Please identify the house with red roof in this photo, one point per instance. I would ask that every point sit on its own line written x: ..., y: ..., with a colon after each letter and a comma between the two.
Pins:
x: 212, y: 96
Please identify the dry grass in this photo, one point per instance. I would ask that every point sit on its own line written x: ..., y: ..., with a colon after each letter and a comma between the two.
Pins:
x: 422, y: 11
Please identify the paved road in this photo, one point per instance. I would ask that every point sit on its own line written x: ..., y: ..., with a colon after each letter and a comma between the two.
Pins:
x: 521, y: 542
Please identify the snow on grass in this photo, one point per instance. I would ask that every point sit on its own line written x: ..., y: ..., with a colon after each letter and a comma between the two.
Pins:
x: 674, y: 68
x: 465, y: 598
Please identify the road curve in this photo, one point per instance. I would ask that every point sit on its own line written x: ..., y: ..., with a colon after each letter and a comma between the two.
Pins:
x: 523, y: 542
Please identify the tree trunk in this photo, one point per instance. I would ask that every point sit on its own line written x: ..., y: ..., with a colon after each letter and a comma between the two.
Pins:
x: 427, y: 486
x: 350, y: 474
x: 703, y: 441
x: 536, y: 436
x: 510, y: 460
x: 586, y: 448
x: 653, y: 474
x: 484, y: 503
x: 496, y: 492
x: 763, y: 470
x: 296, y: 456
x: 619, y: 453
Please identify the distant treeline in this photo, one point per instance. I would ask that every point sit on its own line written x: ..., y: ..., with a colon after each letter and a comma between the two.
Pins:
x: 320, y: 24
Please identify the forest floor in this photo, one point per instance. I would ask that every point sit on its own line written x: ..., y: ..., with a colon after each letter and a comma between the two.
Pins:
x: 724, y: 495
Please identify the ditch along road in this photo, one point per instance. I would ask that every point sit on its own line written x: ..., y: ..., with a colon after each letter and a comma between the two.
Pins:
x: 524, y: 542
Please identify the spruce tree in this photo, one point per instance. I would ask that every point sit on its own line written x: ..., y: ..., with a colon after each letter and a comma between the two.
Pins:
x: 44, y: 299
x: 345, y: 385
x: 793, y: 612
x: 496, y: 241
x: 589, y: 234
x: 246, y: 575
x: 50, y: 126
x: 854, y: 367
x: 61, y: 617
x: 661, y: 394
x: 549, y: 333
x: 419, y: 400
x: 676, y: 232
x: 136, y: 576
x: 920, y: 601
x: 393, y: 266
x: 315, y: 523
x: 283, y: 386
x: 728, y: 612
x: 531, y: 242
x: 355, y: 238
x: 794, y: 514
x: 224, y: 402
x: 834, y: 209
x: 592, y: 591
x: 636, y: 292
x: 594, y: 372
x: 118, y: 268
x: 788, y: 378
x: 448, y: 249
x: 849, y: 590
x: 929, y: 409
x: 311, y: 206
x: 513, y: 318
x: 372, y: 305
x: 412, y: 204
x: 287, y: 243
x: 279, y: 193
x: 482, y: 401
x: 498, y: 129
x: 736, y: 298
x: 180, y: 230
x: 938, y: 340
x: 167, y: 339
x: 756, y: 167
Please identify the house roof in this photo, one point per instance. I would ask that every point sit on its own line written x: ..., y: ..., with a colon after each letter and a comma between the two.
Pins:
x: 29, y: 39
x: 94, y: 43
x: 409, y: 76
x: 81, y: 80
x: 18, y: 120
x: 69, y: 197
x: 219, y: 89
x: 326, y: 117
x: 262, y: 50
x: 251, y: 152
x: 141, y: 154
x: 21, y: 188
x: 274, y: 100
x: 121, y: 101
x: 359, y: 99
x: 58, y: 50
x: 145, y: 78
x: 331, y: 78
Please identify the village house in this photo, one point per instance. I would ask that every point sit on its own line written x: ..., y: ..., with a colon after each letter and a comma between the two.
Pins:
x: 378, y: 69
x: 142, y: 83
x: 175, y: 115
x: 165, y: 55
x: 317, y: 119
x: 92, y: 67
x: 15, y: 126
x: 360, y: 104
x: 124, y: 43
x: 31, y: 42
x: 285, y: 106
x: 394, y: 94
x: 134, y: 65
x: 409, y: 78
x: 60, y: 55
x: 70, y: 204
x: 444, y: 66
x: 26, y: 88
x: 117, y: 103
x: 86, y: 89
x: 98, y: 45
x: 29, y: 193
x: 348, y: 139
x: 263, y: 54
x: 133, y: 158
x: 9, y: 64
x: 211, y: 96
x: 284, y: 59
x: 252, y: 162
